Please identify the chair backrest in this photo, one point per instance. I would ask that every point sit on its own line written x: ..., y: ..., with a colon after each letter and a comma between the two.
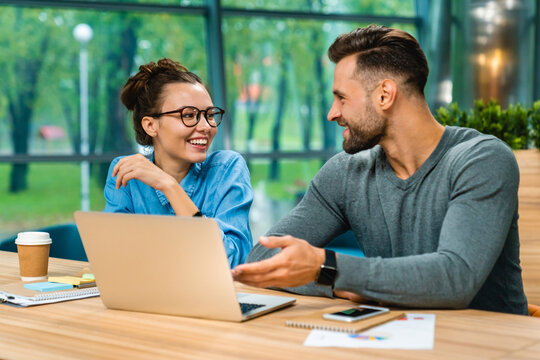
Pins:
x: 66, y: 243
x: 346, y: 243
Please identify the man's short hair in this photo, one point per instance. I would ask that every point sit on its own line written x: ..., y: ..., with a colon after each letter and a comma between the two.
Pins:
x: 383, y: 50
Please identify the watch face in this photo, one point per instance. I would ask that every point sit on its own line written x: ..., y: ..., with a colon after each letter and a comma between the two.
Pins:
x: 327, y: 276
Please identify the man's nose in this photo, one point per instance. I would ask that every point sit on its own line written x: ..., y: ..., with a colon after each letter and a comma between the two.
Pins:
x: 333, y: 113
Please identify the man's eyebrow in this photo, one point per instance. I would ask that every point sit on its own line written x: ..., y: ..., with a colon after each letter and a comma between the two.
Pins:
x: 338, y: 93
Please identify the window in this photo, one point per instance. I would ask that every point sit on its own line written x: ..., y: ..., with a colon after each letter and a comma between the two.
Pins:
x: 278, y: 90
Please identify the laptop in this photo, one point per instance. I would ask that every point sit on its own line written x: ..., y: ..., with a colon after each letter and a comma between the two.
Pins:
x: 166, y: 265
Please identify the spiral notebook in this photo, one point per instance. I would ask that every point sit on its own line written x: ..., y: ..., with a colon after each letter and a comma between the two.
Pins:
x: 16, y: 294
x: 315, y: 320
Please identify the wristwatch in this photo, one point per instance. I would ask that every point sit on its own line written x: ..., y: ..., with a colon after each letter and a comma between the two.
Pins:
x: 328, y: 272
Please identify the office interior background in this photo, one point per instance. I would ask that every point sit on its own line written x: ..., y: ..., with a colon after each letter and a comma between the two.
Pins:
x: 64, y: 62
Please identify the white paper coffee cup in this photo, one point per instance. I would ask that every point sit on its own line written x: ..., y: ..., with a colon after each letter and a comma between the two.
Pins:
x: 33, y: 249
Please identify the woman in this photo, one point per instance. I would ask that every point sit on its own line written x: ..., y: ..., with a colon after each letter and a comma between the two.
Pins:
x: 173, y: 113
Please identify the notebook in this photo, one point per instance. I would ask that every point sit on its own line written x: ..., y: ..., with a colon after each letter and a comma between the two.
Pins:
x: 17, y: 294
x: 315, y: 320
x: 167, y: 265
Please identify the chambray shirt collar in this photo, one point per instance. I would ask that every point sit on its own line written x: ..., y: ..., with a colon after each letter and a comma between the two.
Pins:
x: 187, y: 183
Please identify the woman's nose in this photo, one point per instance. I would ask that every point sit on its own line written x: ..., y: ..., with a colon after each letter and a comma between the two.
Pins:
x: 203, y: 121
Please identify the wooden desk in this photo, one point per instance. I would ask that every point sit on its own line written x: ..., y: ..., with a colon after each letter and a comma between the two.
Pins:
x: 85, y: 329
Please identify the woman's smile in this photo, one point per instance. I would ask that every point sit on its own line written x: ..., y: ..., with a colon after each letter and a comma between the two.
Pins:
x: 199, y: 143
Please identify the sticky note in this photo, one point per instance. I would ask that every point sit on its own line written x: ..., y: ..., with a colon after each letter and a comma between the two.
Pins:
x: 47, y: 286
x: 73, y: 280
x: 88, y: 276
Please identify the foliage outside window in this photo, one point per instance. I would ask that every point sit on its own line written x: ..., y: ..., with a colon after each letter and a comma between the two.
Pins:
x: 389, y: 7
x: 516, y: 125
x: 41, y: 81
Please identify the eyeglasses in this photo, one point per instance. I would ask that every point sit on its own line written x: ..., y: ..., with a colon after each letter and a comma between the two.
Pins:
x: 191, y: 116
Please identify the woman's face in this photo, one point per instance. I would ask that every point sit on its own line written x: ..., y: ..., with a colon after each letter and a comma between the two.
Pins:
x: 173, y: 139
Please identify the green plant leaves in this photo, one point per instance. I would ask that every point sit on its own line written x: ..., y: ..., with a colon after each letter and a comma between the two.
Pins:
x: 534, y: 116
x: 515, y: 125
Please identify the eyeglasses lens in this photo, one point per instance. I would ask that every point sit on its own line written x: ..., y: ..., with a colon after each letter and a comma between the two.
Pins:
x: 213, y: 116
x: 189, y: 116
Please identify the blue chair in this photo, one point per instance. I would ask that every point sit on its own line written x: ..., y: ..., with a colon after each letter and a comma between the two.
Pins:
x: 66, y: 242
x: 346, y: 243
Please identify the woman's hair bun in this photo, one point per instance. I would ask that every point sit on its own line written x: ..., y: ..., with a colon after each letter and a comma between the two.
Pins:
x: 139, y: 83
x: 168, y: 64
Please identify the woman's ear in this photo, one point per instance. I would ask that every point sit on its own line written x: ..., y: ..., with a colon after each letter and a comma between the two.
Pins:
x: 150, y: 125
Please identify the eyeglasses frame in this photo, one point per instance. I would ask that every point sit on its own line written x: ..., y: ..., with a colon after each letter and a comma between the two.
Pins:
x: 199, y: 111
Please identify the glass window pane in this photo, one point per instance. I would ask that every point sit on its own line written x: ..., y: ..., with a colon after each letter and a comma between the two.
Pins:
x: 275, y: 198
x: 279, y: 82
x: 44, y: 69
x: 366, y: 7
x: 159, y: 2
x: 52, y: 197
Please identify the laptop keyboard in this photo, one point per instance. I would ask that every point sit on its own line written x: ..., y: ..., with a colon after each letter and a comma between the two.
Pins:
x: 245, y: 307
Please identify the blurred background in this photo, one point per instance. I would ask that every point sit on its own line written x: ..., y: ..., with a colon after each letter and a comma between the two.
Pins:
x: 63, y: 63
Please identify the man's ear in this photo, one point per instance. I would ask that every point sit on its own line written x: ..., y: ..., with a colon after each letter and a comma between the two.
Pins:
x: 150, y: 125
x: 386, y: 94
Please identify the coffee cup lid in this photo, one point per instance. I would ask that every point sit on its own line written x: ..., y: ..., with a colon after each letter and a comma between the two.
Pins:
x: 33, y: 238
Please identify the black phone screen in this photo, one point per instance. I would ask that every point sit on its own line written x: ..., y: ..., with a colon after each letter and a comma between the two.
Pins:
x: 355, y: 312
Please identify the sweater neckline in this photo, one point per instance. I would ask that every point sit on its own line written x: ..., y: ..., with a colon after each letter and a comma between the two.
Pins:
x: 385, y: 169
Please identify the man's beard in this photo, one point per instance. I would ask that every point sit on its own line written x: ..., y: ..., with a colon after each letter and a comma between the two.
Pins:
x: 366, y: 136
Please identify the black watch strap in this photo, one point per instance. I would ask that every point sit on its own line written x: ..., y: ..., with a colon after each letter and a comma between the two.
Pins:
x: 328, y: 272
x: 198, y: 214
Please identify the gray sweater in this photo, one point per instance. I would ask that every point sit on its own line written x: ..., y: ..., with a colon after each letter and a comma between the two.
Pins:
x: 446, y: 237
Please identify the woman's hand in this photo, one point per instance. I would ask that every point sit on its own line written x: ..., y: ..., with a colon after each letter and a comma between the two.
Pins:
x: 140, y: 168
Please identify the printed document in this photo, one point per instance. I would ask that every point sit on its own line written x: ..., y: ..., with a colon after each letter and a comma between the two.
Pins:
x: 413, y: 332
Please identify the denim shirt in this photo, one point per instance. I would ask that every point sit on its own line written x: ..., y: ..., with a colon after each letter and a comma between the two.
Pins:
x: 220, y: 188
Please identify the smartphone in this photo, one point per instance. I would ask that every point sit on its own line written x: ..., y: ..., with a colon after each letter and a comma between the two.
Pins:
x: 357, y: 313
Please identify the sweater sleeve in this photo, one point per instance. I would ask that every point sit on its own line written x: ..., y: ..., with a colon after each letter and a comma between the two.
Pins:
x: 482, y: 206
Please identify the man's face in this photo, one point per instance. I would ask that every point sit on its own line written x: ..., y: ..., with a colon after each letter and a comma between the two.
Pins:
x: 353, y: 108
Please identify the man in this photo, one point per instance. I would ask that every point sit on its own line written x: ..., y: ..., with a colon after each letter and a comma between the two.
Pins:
x: 433, y: 208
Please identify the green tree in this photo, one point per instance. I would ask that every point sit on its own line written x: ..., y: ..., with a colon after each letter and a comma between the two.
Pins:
x: 249, y: 66
x: 21, y: 76
x: 119, y: 61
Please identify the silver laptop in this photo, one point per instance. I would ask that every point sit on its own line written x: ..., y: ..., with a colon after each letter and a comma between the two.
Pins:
x: 167, y: 265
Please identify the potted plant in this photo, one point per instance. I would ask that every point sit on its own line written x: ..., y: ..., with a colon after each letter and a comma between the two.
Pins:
x: 534, y: 116
x: 510, y: 125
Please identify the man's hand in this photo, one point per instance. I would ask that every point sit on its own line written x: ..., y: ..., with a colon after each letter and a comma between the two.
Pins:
x: 349, y: 295
x: 140, y: 168
x: 297, y: 264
